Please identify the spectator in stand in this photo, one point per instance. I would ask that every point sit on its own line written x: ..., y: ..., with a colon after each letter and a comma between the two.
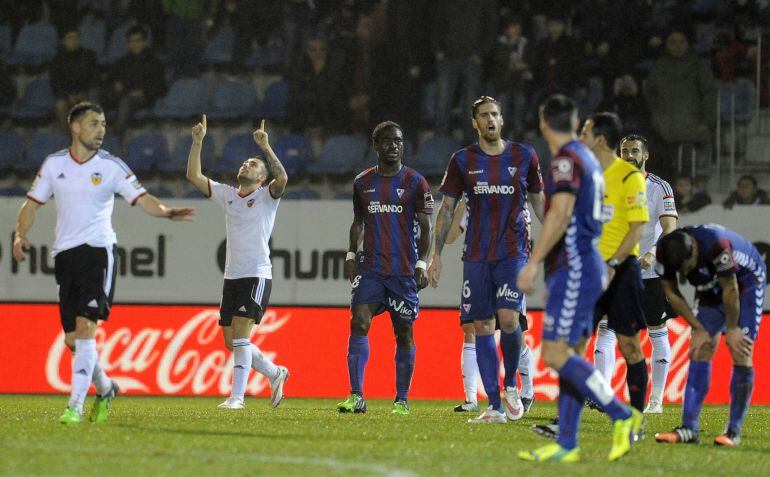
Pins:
x: 136, y: 80
x: 747, y: 193
x: 511, y: 74
x: 184, y: 34
x: 316, y: 91
x: 463, y: 35
x: 627, y: 102
x: 556, y: 61
x: 681, y: 95
x: 73, y: 73
x: 687, y: 199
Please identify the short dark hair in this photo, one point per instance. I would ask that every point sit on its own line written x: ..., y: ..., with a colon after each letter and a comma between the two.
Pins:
x: 636, y: 137
x: 80, y: 109
x: 262, y: 159
x: 484, y: 100
x: 383, y: 126
x: 136, y: 30
x: 673, y: 249
x: 608, y: 125
x: 558, y: 111
x: 749, y: 178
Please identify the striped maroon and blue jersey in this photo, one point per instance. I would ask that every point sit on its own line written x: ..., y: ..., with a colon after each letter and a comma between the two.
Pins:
x: 495, y: 191
x: 576, y: 170
x: 388, y: 207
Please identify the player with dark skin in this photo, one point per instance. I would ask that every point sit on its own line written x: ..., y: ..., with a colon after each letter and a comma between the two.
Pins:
x: 389, y: 147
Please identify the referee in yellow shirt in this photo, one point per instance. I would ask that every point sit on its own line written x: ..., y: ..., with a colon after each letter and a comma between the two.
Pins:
x: 624, y: 213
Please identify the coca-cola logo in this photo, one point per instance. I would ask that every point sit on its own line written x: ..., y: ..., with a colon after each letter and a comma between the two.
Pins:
x: 166, y: 360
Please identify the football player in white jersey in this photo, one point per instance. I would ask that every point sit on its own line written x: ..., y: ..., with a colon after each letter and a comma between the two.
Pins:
x: 84, y: 180
x: 663, y: 217
x: 250, y: 212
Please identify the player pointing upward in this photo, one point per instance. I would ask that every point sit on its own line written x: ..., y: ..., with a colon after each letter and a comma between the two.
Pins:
x: 250, y: 214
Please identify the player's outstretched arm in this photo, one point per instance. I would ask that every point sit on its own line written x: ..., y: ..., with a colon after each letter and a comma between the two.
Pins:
x: 555, y: 224
x: 274, y: 166
x: 443, y: 223
x: 152, y: 206
x: 423, y: 249
x: 24, y: 222
x: 355, y: 236
x: 194, y: 174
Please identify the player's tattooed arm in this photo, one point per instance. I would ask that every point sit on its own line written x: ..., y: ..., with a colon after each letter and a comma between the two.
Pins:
x: 423, y: 249
x: 678, y: 303
x: 443, y: 224
x: 274, y: 167
x: 355, y: 236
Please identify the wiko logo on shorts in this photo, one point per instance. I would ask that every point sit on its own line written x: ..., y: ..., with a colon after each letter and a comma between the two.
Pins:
x: 401, y: 308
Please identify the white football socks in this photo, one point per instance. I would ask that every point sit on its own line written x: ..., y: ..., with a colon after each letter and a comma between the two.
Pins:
x: 526, y: 373
x: 470, y: 371
x: 241, y: 367
x: 82, y: 371
x: 262, y: 364
x: 661, y: 360
x: 604, y: 351
x: 101, y: 381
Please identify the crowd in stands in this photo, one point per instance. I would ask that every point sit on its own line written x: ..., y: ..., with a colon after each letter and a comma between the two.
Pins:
x: 328, y: 71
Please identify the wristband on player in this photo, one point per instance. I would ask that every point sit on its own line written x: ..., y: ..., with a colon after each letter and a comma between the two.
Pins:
x: 421, y: 264
x: 350, y: 256
x: 613, y: 262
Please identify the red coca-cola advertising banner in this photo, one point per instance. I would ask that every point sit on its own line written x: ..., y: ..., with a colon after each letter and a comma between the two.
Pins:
x: 178, y: 350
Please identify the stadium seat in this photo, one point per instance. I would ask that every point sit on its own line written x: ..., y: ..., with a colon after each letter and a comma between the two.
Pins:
x: 37, y: 102
x: 295, y: 152
x: 6, y: 41
x: 232, y: 100
x: 13, y: 191
x: 178, y: 160
x: 11, y: 147
x: 219, y: 49
x: 92, y: 35
x: 237, y: 149
x: 275, y: 102
x: 744, y: 93
x: 429, y: 95
x: 41, y: 145
x: 36, y: 45
x: 145, y: 151
x: 270, y: 55
x: 340, y: 155
x: 117, y: 46
x: 302, y: 194
x: 343, y: 196
x: 186, y: 98
x: 434, y: 155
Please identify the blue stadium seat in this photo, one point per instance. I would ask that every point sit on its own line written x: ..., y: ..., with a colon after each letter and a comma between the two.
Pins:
x: 232, y: 99
x: 186, y: 98
x: 13, y: 191
x: 111, y: 144
x: 6, y: 41
x: 744, y: 100
x: 219, y: 49
x: 145, y: 151
x: 41, y: 145
x: 434, y: 155
x: 117, y: 46
x: 340, y: 155
x: 428, y: 107
x: 37, y: 102
x: 93, y: 33
x: 343, y: 196
x: 270, y: 55
x: 11, y: 147
x: 178, y: 160
x: 295, y: 152
x: 36, y: 45
x: 237, y: 149
x: 302, y: 194
x: 275, y: 102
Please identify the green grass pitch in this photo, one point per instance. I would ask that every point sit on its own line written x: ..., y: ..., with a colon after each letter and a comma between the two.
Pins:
x: 308, y: 437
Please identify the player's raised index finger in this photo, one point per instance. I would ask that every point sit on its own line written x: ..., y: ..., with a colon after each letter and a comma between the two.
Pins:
x: 204, y: 120
x: 262, y: 125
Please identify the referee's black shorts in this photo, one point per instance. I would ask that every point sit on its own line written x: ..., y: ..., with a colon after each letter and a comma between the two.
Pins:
x: 622, y: 302
x: 86, y: 278
x: 656, y: 307
x: 246, y: 297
